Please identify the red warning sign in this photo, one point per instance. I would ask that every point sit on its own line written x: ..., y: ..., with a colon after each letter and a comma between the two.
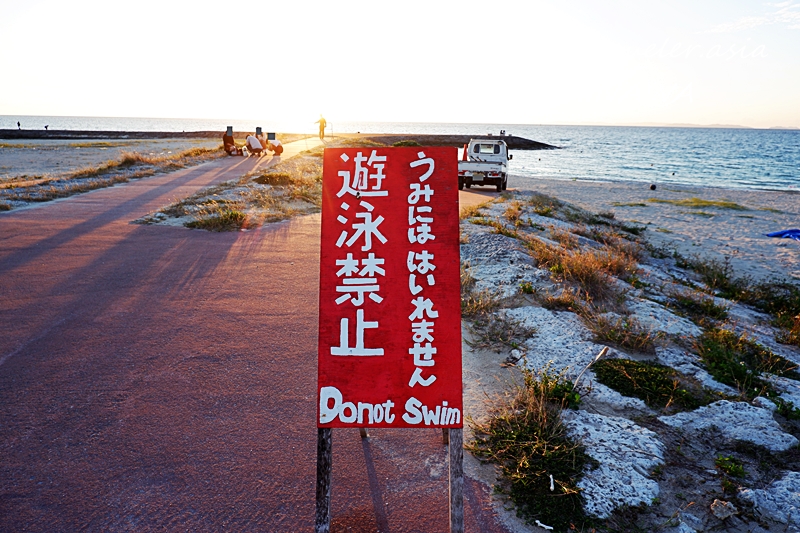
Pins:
x: 390, y: 308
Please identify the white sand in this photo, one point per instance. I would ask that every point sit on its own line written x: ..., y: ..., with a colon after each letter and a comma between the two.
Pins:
x: 738, y: 235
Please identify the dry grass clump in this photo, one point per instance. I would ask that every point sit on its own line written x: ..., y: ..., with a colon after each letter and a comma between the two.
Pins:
x: 623, y: 331
x: 513, y: 212
x: 612, y: 238
x: 290, y: 188
x: 163, y: 162
x: 129, y: 166
x: 589, y: 269
x: 524, y: 435
x: 471, y: 211
x: 493, y: 330
x: 478, y: 303
x: 219, y: 216
x: 790, y: 334
x: 64, y: 188
x: 564, y: 238
x: 544, y: 205
x: 569, y: 299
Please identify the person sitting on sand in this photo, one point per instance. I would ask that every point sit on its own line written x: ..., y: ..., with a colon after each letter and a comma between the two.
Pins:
x: 275, y: 147
x: 228, y: 144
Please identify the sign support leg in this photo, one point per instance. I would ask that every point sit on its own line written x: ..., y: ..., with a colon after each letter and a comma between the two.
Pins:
x: 456, y: 480
x: 324, y: 477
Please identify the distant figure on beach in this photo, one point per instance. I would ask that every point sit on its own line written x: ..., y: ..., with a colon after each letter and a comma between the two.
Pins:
x: 322, y: 123
x: 228, y: 143
x: 46, y: 126
x: 20, y: 127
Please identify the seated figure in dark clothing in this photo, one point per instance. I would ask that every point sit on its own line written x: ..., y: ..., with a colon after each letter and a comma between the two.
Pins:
x: 228, y: 143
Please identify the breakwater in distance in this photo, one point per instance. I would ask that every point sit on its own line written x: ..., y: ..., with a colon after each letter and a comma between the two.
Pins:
x: 513, y: 142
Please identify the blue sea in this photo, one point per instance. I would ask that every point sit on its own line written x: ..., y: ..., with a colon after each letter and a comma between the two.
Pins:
x: 709, y: 157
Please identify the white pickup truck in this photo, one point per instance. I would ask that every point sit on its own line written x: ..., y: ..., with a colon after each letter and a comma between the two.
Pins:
x: 485, y: 162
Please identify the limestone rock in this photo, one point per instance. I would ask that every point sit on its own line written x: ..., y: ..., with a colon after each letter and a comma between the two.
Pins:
x: 627, y: 453
x: 780, y: 501
x: 735, y: 420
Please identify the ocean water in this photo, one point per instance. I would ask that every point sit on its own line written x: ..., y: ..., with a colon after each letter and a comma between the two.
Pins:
x: 710, y: 157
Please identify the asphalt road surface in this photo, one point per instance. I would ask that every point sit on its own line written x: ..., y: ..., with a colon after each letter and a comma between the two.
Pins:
x: 156, y: 378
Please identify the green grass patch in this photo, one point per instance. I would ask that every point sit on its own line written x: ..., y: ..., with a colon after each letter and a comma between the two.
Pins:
x: 628, y: 204
x: 697, y: 306
x: 525, y: 437
x: 659, y: 386
x: 738, y: 361
x: 406, y: 142
x: 544, y: 205
x: 781, y: 299
x: 699, y: 203
x: 633, y: 229
x: 730, y: 465
x: 526, y: 287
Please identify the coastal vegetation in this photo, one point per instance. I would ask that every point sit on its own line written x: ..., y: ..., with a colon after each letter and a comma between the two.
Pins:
x: 541, y: 465
x: 699, y: 203
x: 128, y: 166
x: 287, y: 189
x: 659, y: 386
x: 680, y: 342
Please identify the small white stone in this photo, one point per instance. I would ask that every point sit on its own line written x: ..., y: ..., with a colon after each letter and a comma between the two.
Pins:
x: 723, y: 509
x: 764, y: 403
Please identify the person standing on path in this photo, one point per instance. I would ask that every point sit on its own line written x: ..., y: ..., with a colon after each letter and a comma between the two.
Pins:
x: 322, y: 123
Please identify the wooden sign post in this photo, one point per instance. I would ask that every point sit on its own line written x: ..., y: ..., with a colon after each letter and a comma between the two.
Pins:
x: 390, y: 309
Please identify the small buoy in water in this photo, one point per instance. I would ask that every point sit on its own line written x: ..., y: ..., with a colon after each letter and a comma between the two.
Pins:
x: 673, y: 173
x: 652, y: 186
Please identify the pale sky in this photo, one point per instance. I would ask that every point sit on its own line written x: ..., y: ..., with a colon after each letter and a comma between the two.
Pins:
x: 526, y: 62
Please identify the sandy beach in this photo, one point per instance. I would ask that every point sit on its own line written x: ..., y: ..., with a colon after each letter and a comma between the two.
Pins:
x: 709, y: 232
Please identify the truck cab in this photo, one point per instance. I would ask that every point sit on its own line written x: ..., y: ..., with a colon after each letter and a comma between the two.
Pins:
x: 484, y: 162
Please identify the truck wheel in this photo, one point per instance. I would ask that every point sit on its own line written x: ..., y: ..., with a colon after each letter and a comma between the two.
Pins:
x: 468, y: 183
x: 500, y: 185
x: 505, y: 182
x: 460, y: 183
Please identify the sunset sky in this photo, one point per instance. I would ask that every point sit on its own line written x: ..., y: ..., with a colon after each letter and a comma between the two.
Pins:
x: 526, y: 62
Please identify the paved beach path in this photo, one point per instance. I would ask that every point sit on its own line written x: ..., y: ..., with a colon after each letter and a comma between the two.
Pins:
x: 155, y: 378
